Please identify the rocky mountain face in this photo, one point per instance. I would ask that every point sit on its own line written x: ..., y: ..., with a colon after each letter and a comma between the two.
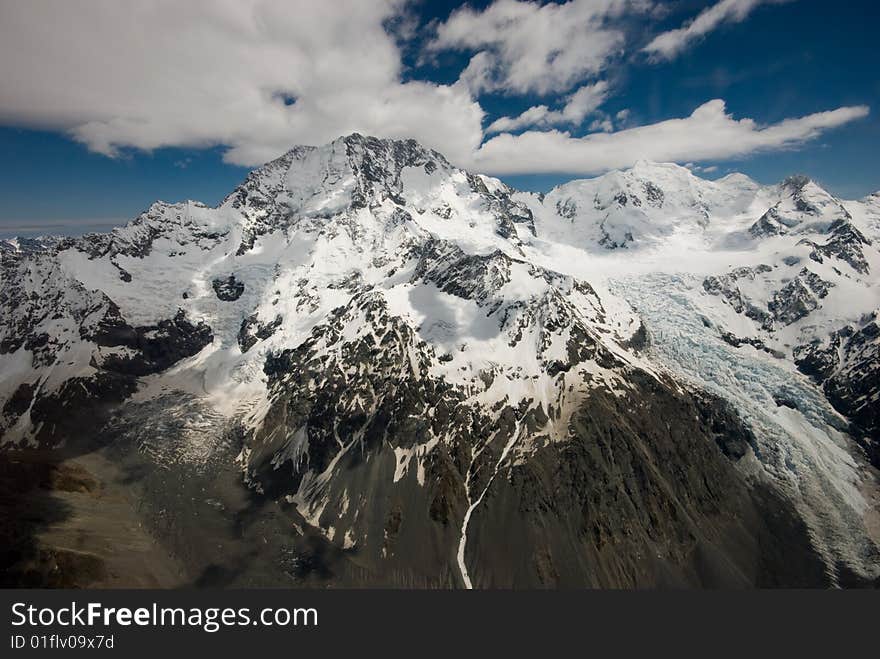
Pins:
x: 369, y: 367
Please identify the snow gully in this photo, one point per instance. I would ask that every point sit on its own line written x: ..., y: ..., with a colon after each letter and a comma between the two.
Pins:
x: 462, y: 543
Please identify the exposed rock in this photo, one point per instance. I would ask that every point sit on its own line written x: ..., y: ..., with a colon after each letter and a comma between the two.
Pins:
x: 847, y: 365
x: 792, y: 302
x: 726, y: 287
x: 769, y: 224
x: 76, y: 412
x: 228, y: 289
x: 756, y: 343
x: 846, y: 243
x: 854, y: 389
x: 819, y: 360
x: 252, y: 331
x: 150, y: 349
x: 566, y: 209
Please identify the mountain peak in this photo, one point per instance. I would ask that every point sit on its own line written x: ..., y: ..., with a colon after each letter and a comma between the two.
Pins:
x: 397, y: 152
x: 736, y: 177
x: 356, y: 161
x: 796, y: 183
x: 644, y: 167
x: 806, y: 194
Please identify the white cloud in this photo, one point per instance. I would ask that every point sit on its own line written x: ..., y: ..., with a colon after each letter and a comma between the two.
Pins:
x: 577, y: 106
x: 604, y: 124
x: 259, y: 76
x: 709, y: 133
x: 584, y: 101
x: 153, y: 73
x: 669, y: 44
x: 524, y: 47
x: 537, y: 115
x: 700, y: 169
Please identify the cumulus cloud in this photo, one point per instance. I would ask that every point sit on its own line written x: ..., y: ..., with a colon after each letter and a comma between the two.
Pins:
x: 577, y: 106
x: 254, y: 75
x: 523, y: 47
x: 259, y: 76
x: 669, y: 44
x: 709, y: 133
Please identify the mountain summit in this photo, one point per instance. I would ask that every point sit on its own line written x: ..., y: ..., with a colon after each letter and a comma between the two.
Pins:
x: 367, y: 366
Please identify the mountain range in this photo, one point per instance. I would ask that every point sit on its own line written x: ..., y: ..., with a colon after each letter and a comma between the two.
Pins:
x: 367, y: 366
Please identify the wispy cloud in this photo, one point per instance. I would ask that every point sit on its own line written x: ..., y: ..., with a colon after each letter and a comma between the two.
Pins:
x: 577, y: 106
x: 668, y: 45
x: 709, y: 133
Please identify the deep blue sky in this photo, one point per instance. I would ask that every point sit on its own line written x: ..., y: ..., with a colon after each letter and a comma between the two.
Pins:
x: 783, y: 61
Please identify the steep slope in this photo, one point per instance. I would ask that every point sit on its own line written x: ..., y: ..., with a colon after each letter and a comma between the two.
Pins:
x: 755, y: 300
x: 423, y: 377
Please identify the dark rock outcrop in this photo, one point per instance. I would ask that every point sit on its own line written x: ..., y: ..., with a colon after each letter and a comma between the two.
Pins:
x: 252, y: 331
x: 847, y: 365
x: 150, y: 348
x: 228, y: 289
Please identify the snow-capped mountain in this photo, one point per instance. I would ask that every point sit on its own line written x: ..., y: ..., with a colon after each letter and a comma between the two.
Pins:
x: 433, y: 379
x: 647, y: 204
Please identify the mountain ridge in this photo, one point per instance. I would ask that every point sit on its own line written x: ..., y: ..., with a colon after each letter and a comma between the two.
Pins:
x: 398, y: 354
